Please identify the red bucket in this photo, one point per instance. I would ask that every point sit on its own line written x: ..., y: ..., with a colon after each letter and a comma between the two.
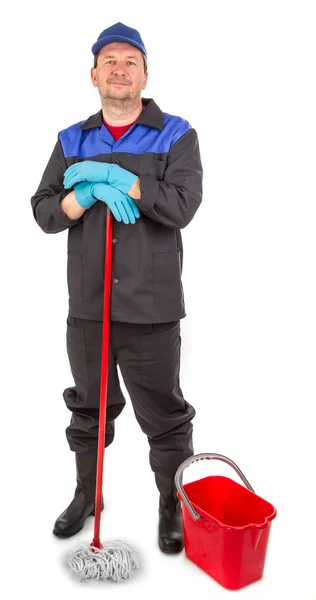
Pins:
x: 226, y: 526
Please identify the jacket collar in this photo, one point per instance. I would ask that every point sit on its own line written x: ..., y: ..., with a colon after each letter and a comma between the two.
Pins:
x: 151, y: 116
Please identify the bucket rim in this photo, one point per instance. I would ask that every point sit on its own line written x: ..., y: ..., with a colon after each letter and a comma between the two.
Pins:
x: 204, y: 515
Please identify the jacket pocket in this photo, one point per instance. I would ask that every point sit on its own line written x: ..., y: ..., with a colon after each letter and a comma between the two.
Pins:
x: 74, y: 278
x: 152, y: 167
x: 167, y: 277
x: 76, y: 349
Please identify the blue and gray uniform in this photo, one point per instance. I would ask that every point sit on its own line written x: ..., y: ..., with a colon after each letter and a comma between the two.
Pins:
x: 147, y: 299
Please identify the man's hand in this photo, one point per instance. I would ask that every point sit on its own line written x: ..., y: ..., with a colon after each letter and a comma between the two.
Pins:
x: 89, y: 170
x: 122, y: 206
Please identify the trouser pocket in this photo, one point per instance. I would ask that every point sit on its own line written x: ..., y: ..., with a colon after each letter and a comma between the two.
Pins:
x: 76, y: 349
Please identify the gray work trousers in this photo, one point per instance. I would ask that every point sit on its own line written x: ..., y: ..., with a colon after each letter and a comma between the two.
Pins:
x: 148, y: 356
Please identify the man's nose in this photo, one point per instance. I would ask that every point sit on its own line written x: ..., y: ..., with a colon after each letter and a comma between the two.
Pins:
x: 119, y: 68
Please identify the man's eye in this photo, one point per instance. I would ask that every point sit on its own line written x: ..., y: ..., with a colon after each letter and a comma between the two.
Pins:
x: 112, y: 61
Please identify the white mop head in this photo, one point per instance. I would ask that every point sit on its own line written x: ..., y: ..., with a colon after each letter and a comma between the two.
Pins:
x: 116, y: 561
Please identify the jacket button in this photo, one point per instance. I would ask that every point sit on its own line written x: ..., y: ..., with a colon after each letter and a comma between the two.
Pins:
x: 115, y: 240
x: 115, y: 281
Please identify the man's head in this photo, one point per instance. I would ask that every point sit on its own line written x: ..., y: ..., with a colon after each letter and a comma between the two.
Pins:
x: 120, y: 64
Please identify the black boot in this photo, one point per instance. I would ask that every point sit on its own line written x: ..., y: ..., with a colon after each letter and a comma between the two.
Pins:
x: 82, y: 506
x: 170, y: 531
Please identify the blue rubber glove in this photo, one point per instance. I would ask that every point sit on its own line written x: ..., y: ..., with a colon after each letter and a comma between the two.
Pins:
x: 122, y: 206
x: 83, y: 194
x: 90, y: 170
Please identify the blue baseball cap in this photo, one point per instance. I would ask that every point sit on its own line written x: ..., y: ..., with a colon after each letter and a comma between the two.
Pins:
x: 119, y: 33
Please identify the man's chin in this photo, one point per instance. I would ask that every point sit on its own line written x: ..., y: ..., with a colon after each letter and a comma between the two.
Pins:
x: 118, y: 95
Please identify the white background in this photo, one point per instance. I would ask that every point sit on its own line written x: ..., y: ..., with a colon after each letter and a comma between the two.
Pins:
x: 243, y: 74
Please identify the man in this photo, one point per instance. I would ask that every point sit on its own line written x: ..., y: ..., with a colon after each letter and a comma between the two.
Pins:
x: 145, y: 165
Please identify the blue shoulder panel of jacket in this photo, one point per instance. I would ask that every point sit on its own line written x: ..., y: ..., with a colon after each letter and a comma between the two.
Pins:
x: 139, y: 139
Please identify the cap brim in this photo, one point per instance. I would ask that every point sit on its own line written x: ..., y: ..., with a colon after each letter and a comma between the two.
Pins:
x: 114, y: 38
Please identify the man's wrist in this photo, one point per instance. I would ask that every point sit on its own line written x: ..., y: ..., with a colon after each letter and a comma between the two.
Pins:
x: 134, y: 191
x: 70, y: 207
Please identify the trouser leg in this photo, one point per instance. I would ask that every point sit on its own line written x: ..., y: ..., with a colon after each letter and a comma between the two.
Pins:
x: 84, y: 347
x: 149, y: 360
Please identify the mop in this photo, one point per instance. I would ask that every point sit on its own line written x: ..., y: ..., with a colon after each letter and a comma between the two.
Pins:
x: 112, y: 560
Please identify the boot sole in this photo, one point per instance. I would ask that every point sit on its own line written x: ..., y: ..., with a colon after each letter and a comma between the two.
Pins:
x: 165, y: 551
x: 66, y: 535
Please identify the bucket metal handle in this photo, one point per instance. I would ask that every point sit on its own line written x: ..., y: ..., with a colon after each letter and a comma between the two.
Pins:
x: 179, y: 476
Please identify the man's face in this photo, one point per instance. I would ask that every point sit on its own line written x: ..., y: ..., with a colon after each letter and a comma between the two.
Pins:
x: 119, y: 74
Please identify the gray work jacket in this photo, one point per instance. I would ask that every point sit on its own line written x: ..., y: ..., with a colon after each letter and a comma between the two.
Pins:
x: 163, y: 151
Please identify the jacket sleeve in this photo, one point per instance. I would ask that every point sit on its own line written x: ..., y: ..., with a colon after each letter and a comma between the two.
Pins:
x: 46, y: 201
x: 175, y: 200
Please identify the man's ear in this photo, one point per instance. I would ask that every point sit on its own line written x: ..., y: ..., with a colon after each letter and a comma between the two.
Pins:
x: 145, y: 81
x: 93, y: 76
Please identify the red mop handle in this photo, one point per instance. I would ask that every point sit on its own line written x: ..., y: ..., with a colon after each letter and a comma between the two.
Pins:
x: 104, y: 374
